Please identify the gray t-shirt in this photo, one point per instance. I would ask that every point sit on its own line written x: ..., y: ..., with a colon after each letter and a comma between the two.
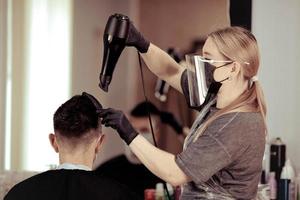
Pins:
x: 225, y: 162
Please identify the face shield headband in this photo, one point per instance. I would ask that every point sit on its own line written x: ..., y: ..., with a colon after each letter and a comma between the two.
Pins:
x: 201, y: 83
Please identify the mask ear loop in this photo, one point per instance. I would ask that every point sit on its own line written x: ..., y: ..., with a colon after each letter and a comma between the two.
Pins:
x: 149, y: 116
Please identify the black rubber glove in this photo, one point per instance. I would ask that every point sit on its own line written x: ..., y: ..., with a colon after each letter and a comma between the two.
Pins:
x: 118, y: 121
x: 136, y: 39
x: 168, y: 118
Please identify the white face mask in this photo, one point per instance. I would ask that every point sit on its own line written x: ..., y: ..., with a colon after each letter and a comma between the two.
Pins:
x: 130, y: 155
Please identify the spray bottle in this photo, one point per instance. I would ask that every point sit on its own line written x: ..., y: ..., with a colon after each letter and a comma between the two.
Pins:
x: 287, y: 182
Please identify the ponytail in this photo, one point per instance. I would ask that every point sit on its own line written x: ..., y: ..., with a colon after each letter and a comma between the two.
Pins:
x: 261, y: 102
x: 252, y: 100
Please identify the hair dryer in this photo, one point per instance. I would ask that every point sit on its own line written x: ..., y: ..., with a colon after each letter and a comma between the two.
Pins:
x: 114, y: 38
x: 161, y: 87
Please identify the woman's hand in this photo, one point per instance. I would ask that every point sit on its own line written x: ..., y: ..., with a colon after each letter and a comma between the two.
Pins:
x: 135, y: 38
x: 159, y: 162
x: 117, y: 120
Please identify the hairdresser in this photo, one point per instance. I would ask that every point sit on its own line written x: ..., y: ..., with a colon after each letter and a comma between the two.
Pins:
x: 222, y: 155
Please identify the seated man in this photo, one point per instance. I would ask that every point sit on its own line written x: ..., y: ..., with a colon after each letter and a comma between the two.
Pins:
x: 127, y: 168
x: 77, y: 139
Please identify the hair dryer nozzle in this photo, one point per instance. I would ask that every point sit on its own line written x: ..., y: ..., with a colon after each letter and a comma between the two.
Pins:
x: 114, y: 39
x: 104, y: 82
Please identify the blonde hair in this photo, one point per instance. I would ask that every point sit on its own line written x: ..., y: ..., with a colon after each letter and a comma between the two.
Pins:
x: 238, y: 44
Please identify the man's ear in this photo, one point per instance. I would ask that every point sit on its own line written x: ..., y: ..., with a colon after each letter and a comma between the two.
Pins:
x: 53, y: 142
x: 99, y: 142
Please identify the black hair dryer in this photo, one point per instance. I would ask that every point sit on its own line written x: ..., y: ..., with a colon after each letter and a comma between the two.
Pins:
x: 114, y: 38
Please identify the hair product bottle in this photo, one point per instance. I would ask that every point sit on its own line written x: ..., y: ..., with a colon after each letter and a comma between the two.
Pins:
x: 273, y: 186
x: 149, y: 194
x: 277, y: 157
x: 159, y: 192
x: 287, y: 182
x: 298, y: 186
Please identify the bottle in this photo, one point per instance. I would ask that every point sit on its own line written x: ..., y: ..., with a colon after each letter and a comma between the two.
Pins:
x: 283, y: 193
x: 159, y: 191
x: 178, y: 192
x: 287, y: 182
x: 277, y: 157
x: 263, y: 173
x: 149, y: 194
x: 170, y: 191
x: 273, y: 186
x: 298, y: 186
x: 288, y: 171
x: 292, y: 177
x: 265, y: 165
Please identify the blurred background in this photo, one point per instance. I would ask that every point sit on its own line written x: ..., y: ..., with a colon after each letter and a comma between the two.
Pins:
x: 51, y: 50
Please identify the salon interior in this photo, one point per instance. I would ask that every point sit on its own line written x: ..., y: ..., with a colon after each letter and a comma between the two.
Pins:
x: 51, y: 50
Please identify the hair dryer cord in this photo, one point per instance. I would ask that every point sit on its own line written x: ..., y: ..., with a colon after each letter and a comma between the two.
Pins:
x: 149, y: 116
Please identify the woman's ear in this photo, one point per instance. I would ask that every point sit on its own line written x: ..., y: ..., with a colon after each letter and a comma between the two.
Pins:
x: 236, y: 68
x: 53, y: 142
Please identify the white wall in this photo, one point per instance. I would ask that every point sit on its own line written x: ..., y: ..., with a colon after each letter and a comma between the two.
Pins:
x: 19, y: 58
x: 90, y: 17
x: 3, y: 29
x: 276, y: 24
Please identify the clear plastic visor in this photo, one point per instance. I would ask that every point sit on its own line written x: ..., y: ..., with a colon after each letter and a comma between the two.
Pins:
x: 200, y: 76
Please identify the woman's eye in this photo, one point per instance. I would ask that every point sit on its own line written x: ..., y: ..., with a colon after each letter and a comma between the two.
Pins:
x: 209, y: 60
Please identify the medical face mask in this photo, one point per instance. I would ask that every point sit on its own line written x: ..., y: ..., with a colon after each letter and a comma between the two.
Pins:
x: 201, y: 83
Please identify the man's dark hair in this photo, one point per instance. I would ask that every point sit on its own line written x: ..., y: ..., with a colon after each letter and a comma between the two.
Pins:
x: 77, y: 116
x: 142, y: 109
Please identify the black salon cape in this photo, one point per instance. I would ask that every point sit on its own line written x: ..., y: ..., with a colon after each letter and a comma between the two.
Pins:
x: 69, y: 185
x: 135, y: 176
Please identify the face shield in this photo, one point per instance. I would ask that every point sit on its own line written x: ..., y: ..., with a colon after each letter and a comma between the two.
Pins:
x: 200, y: 75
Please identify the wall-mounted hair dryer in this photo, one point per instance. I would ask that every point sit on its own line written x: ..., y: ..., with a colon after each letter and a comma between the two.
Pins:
x: 161, y: 87
x: 114, y: 38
